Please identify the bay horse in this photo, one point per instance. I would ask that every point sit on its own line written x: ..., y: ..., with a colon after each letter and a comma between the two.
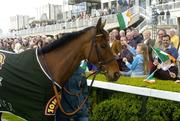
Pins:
x: 47, y: 68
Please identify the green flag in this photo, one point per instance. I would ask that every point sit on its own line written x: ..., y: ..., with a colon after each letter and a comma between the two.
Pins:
x: 124, y: 19
x: 84, y: 65
x: 161, y: 54
x: 150, y: 78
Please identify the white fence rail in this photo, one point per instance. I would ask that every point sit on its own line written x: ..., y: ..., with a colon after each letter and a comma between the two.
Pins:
x: 174, y: 96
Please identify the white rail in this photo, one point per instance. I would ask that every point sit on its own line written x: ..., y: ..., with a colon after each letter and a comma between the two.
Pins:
x: 169, y: 5
x: 174, y: 96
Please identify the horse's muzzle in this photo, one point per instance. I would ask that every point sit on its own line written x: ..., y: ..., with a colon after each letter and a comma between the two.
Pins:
x: 116, y: 75
x: 113, y: 77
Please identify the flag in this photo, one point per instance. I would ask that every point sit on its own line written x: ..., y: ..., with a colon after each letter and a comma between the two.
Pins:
x: 163, y: 56
x: 83, y: 65
x: 124, y: 19
x: 150, y: 78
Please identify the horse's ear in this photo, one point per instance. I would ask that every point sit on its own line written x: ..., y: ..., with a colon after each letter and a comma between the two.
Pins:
x: 103, y: 24
x: 98, y: 26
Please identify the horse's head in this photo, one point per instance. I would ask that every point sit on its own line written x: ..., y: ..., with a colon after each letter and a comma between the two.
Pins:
x: 99, y: 53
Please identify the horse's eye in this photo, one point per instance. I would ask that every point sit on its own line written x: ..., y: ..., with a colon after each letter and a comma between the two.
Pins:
x: 103, y: 45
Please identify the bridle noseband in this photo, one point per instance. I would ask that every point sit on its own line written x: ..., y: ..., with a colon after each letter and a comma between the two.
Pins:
x: 101, y: 62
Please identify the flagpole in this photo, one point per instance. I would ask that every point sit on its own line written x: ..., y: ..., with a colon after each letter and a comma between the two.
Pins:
x: 152, y: 73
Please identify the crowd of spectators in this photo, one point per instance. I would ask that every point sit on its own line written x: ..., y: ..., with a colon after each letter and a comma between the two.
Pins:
x: 134, y: 52
x: 73, y: 18
x: 19, y: 44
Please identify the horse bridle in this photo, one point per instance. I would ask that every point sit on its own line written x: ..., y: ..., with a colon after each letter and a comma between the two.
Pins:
x: 101, y: 64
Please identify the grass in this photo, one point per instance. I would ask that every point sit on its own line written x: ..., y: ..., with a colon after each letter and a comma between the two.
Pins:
x: 166, y: 85
x: 11, y: 117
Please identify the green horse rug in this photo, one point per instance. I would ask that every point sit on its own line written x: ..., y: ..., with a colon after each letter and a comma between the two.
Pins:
x: 25, y: 89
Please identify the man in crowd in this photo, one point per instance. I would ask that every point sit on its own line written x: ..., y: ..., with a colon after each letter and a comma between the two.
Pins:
x: 150, y: 43
x: 158, y: 42
x: 166, y: 70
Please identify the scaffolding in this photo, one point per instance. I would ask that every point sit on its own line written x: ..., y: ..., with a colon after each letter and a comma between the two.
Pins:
x: 154, y: 22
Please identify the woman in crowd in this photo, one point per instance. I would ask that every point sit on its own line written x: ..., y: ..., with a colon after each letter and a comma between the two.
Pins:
x: 124, y: 53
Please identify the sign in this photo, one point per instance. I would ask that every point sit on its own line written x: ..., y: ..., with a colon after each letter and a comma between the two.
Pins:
x: 72, y: 2
x: 79, y: 7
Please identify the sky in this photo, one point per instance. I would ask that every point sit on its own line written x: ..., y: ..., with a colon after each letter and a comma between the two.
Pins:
x: 20, y: 7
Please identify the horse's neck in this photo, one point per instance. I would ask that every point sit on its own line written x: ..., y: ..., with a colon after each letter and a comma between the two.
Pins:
x: 63, y: 61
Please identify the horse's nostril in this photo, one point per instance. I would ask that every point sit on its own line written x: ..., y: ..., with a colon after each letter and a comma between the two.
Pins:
x: 116, y: 74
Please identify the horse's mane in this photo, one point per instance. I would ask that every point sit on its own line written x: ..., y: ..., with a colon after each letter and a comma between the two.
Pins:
x: 67, y: 37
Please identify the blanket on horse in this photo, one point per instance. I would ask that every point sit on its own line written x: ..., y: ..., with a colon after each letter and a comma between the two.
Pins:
x: 25, y: 90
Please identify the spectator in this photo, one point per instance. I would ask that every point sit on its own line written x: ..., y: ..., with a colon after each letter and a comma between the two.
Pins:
x: 116, y: 45
x: 167, y: 17
x: 168, y: 48
x: 158, y: 42
x: 162, y: 13
x: 122, y: 33
x: 150, y: 43
x: 166, y: 70
x: 137, y: 37
x: 25, y: 44
x: 130, y: 39
x: 128, y: 30
x: 124, y: 53
x: 116, y: 34
x: 174, y: 38
x: 113, y: 9
x: 111, y: 39
x: 138, y: 67
x: 18, y: 48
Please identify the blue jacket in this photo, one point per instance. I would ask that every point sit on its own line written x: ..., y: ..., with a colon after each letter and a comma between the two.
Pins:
x: 137, y: 66
x: 172, y: 51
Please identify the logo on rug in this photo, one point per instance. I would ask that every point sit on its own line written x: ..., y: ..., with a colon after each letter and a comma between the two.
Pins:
x: 51, y: 106
x: 1, y: 81
x: 2, y: 58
